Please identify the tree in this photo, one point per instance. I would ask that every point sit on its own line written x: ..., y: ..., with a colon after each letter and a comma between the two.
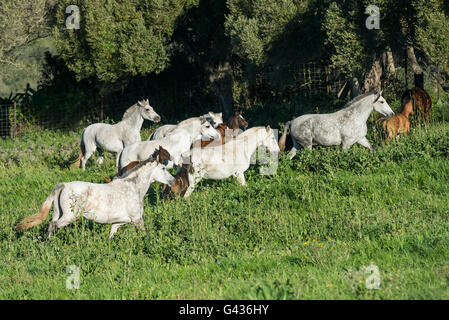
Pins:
x: 406, y: 26
x: 200, y: 37
x: 118, y: 39
x: 21, y: 22
x: 23, y: 25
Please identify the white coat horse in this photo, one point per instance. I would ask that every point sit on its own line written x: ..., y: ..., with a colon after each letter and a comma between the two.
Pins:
x: 214, y: 118
x: 177, y: 143
x: 345, y: 127
x: 113, y: 138
x: 118, y: 202
x: 230, y: 159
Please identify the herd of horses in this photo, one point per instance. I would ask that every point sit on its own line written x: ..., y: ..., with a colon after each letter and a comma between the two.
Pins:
x: 201, y: 148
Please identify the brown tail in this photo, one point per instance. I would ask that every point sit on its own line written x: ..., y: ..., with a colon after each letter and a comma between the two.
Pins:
x: 77, y: 162
x: 37, y: 218
x: 283, y: 139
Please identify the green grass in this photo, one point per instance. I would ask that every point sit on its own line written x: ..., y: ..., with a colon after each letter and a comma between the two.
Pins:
x: 305, y: 233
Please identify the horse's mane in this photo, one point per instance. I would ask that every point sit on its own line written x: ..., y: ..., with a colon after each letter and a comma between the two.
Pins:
x: 129, y: 111
x: 152, y: 158
x: 357, y: 99
x: 190, y: 120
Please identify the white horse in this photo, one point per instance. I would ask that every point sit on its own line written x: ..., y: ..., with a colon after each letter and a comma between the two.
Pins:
x: 118, y: 202
x: 214, y: 118
x: 346, y: 127
x: 178, y: 142
x: 230, y: 159
x: 113, y: 138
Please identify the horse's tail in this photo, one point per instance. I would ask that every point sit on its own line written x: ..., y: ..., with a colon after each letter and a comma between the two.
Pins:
x: 381, y: 119
x: 77, y: 162
x: 37, y: 218
x: 283, y: 138
x: 119, y: 160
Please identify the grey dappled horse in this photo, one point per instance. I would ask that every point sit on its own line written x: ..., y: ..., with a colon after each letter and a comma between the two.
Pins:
x: 117, y: 203
x: 345, y: 127
x: 113, y: 138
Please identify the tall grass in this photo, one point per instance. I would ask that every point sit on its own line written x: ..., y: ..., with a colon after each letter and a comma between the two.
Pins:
x: 307, y: 232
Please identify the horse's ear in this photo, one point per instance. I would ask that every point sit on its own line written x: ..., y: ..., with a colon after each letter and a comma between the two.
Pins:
x: 268, y: 128
x: 378, y: 95
x: 202, y: 119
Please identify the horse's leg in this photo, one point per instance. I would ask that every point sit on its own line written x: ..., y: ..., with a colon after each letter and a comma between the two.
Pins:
x: 140, y: 224
x: 390, y: 135
x: 241, y: 178
x: 65, y: 220
x: 87, y: 155
x: 193, y: 179
x: 295, y: 147
x: 364, y: 142
x: 114, y: 229
x: 100, y: 158
x: 55, y: 217
x: 117, y: 160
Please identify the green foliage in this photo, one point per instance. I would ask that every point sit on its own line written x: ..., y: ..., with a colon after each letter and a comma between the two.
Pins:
x: 300, y: 234
x: 344, y: 36
x: 118, y: 39
x: 431, y: 34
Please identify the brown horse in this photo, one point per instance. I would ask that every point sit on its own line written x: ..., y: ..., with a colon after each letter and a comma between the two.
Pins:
x: 421, y: 102
x: 181, y: 184
x: 221, y: 128
x: 162, y: 155
x: 237, y: 121
x: 398, y: 124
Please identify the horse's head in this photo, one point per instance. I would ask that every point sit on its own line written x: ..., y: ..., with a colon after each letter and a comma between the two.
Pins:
x: 269, y: 141
x: 147, y: 111
x: 214, y: 118
x: 207, y: 131
x: 163, y: 157
x: 237, y: 121
x: 161, y: 174
x: 381, y: 105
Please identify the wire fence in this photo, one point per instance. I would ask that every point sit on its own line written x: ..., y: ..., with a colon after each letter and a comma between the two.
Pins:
x: 301, y: 80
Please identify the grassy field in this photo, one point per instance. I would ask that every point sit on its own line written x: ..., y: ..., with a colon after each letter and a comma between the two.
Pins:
x: 307, y: 232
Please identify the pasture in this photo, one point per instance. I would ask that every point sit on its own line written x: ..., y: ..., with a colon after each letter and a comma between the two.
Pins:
x: 305, y: 233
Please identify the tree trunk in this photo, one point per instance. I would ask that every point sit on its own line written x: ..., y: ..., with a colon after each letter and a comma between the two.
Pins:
x: 373, y: 79
x: 412, y: 60
x: 221, y: 79
x: 351, y: 86
x: 390, y: 68
x: 417, y: 70
x: 355, y: 87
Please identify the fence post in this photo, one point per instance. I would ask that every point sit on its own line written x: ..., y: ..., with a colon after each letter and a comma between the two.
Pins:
x: 101, y: 108
x: 406, y: 69
x: 438, y: 83
x: 15, y: 122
